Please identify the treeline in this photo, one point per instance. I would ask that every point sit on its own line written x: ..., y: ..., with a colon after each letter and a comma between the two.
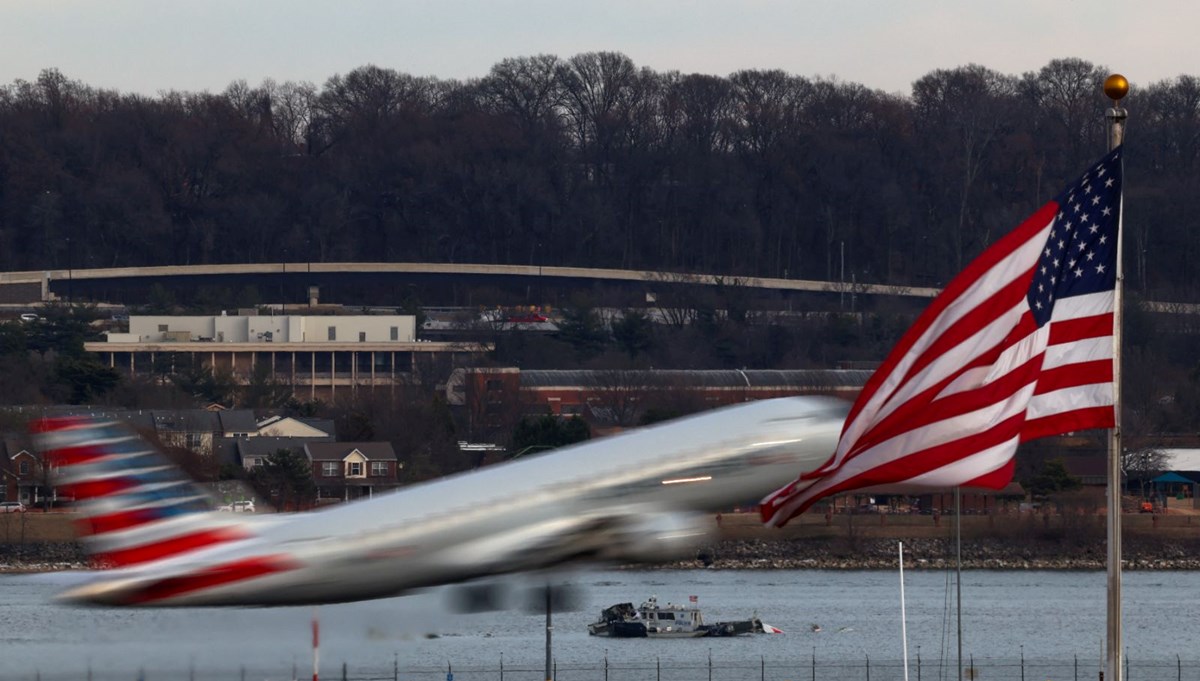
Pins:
x: 587, y: 160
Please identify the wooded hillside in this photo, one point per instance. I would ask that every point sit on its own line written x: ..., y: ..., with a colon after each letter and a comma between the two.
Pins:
x: 588, y: 160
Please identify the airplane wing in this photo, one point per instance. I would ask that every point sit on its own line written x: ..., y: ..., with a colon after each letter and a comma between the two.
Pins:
x: 644, y: 496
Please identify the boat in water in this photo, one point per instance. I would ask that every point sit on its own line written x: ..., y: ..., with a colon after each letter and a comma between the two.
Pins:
x: 651, y: 620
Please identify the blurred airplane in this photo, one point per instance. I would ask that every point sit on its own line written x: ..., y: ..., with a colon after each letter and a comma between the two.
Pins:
x: 647, y: 495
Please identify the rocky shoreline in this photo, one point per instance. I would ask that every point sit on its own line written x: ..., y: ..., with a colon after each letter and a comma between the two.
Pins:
x: 938, y: 554
x: 812, y: 554
x: 48, y: 557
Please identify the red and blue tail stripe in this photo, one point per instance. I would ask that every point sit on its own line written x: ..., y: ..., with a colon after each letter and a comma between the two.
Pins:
x: 136, y: 506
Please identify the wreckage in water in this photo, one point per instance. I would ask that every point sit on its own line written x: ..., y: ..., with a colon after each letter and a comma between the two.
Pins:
x: 651, y: 620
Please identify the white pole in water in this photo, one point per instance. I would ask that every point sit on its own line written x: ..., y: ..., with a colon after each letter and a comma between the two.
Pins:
x: 316, y: 631
x: 903, y: 617
x: 1115, y: 87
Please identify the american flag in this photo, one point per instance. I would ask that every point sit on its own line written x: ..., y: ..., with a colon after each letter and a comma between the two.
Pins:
x: 1018, y: 346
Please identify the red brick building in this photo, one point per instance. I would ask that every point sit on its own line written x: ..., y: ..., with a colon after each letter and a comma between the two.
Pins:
x: 495, y: 397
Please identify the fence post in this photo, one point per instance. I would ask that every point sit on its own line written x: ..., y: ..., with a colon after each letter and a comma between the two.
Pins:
x: 762, y: 668
x: 1178, y: 664
x: 918, y: 663
x: 396, y: 667
x: 868, y: 668
x: 710, y: 664
x: 502, y: 668
x: 1127, y: 664
x: 344, y: 678
x: 814, y: 664
x: 658, y: 669
x: 1022, y: 663
x: 606, y: 664
x: 1076, y: 666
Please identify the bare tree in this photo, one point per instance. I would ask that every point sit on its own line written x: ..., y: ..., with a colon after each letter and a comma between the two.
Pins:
x: 624, y: 393
x: 1144, y: 464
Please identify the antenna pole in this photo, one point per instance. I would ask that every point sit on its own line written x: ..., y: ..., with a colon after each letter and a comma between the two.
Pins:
x: 958, y: 571
x: 903, y: 617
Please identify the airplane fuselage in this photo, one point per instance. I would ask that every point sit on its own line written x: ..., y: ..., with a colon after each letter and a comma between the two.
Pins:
x: 645, y: 495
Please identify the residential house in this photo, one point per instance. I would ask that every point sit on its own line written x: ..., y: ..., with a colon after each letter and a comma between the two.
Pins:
x: 350, y: 470
x: 191, y: 429
x: 288, y: 426
x: 237, y: 423
x: 25, y: 478
x: 253, y: 451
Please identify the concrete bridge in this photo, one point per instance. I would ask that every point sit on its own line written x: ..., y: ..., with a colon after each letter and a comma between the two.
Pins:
x: 38, y: 285
x: 25, y: 288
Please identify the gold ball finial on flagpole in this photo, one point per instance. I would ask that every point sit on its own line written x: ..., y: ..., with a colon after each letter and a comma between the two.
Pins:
x: 1116, y: 87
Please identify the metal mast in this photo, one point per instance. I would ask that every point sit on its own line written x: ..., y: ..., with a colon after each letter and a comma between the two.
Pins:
x: 1115, y: 88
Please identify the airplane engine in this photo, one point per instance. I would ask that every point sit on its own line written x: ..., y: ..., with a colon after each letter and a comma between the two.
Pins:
x: 658, y: 536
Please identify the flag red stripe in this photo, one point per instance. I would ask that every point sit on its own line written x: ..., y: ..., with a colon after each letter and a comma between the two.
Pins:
x: 218, y: 575
x: 972, y: 322
x: 915, y: 411
x: 922, y: 462
x: 1071, y: 330
x: 996, y: 479
x: 922, y: 414
x: 959, y: 285
x: 1068, y: 421
x: 170, y: 547
x: 1074, y: 375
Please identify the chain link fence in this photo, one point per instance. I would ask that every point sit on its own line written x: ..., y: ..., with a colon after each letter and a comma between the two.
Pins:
x: 701, y: 669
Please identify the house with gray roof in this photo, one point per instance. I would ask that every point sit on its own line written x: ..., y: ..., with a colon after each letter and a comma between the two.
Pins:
x: 349, y: 470
x: 253, y: 451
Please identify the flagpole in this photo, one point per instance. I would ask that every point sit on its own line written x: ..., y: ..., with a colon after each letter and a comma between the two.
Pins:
x: 1115, y: 88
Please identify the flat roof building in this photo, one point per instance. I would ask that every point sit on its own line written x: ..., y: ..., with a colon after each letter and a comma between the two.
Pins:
x: 315, y: 355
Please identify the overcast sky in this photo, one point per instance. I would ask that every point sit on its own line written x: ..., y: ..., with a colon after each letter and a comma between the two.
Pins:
x: 152, y: 45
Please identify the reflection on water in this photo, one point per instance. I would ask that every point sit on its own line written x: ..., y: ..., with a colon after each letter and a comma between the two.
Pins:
x: 1042, y: 615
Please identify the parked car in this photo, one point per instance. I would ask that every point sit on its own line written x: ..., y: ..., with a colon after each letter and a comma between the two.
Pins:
x: 11, y: 507
x: 29, y: 317
x: 238, y: 507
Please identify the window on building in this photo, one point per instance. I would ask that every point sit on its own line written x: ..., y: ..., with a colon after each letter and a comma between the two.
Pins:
x: 333, y: 333
x: 395, y: 333
x: 162, y: 327
x: 24, y: 468
x: 362, y: 336
x: 379, y: 468
x: 194, y: 441
x: 354, y: 469
x: 329, y: 469
x: 495, y: 384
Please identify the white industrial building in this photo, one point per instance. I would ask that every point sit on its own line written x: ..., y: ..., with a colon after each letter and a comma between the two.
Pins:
x: 315, y: 355
x: 270, y: 329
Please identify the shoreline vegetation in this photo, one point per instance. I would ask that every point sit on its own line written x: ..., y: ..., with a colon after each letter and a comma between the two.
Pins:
x: 813, y: 542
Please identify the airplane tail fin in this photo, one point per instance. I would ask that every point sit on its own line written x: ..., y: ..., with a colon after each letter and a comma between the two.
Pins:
x: 136, y: 507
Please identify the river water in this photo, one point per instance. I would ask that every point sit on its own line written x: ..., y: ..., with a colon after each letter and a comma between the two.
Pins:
x: 1048, y: 618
